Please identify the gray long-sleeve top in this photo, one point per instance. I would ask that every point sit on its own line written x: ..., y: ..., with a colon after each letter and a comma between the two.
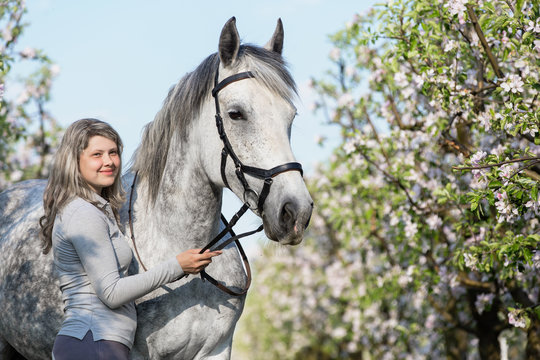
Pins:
x: 96, y: 291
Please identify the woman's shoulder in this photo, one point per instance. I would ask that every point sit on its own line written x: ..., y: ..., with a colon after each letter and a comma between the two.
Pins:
x: 79, y: 207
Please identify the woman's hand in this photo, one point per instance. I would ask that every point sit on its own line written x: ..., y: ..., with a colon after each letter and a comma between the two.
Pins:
x: 192, y: 262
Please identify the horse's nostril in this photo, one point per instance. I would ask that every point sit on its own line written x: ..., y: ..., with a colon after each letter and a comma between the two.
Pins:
x: 288, y: 215
x: 307, y: 222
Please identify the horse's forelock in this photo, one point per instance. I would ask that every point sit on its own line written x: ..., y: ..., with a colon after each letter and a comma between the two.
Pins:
x: 184, y: 101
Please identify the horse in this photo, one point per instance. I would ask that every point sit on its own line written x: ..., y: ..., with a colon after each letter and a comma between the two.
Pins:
x: 177, y: 177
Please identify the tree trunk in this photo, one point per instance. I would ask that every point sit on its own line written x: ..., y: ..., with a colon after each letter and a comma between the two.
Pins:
x: 532, y: 351
x: 488, y: 345
x: 488, y: 328
x: 456, y: 341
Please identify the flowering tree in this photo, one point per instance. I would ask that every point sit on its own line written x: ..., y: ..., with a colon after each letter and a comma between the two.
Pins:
x: 28, y: 132
x: 425, y: 243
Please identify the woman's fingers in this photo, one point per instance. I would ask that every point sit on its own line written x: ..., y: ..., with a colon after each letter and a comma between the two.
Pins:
x: 192, y: 262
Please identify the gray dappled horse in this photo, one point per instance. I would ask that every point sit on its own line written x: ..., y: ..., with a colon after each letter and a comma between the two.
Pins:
x: 176, y: 206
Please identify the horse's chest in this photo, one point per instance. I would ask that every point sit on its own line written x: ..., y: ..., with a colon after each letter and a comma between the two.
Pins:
x: 199, y: 330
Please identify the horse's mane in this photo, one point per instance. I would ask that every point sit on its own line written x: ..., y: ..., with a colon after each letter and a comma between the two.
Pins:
x: 184, y: 102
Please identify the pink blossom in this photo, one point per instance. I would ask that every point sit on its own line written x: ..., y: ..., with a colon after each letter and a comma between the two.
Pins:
x: 506, y: 171
x: 430, y: 321
x: 506, y: 212
x: 515, y: 318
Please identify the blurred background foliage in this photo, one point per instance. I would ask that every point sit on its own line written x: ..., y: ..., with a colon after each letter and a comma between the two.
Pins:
x: 29, y: 134
x: 424, y: 243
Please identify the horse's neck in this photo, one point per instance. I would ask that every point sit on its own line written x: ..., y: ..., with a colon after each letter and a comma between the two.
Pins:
x: 185, y: 214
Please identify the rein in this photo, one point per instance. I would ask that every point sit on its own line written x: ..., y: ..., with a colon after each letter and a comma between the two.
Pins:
x: 227, y: 229
x: 252, y: 199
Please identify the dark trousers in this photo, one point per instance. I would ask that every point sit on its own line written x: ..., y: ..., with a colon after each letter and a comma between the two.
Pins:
x: 71, y: 348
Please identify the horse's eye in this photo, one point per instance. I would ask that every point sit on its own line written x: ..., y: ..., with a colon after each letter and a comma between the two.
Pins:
x: 236, y: 115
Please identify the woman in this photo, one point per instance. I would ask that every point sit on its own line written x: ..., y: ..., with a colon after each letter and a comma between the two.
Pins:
x: 91, y: 255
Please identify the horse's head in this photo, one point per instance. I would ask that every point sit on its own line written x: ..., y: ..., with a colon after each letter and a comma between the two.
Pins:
x: 256, y: 113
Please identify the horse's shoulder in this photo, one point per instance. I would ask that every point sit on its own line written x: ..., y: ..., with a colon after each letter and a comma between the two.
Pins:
x: 26, y: 186
x: 22, y: 197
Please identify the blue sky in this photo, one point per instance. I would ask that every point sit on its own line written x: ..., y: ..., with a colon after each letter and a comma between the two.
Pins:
x: 119, y: 58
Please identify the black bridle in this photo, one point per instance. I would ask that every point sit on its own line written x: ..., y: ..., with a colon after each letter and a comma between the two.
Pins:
x: 252, y: 199
x: 241, y: 169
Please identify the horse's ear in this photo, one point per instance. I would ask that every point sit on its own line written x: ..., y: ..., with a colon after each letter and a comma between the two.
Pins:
x: 229, y: 42
x: 276, y: 42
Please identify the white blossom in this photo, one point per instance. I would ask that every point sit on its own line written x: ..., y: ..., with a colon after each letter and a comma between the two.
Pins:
x: 451, y: 45
x: 533, y: 205
x: 401, y: 79
x: 411, y: 229
x: 512, y: 83
x: 536, y: 259
x: 537, y: 45
x: 470, y: 261
x: 456, y: 7
x: 335, y: 54
x: 482, y: 300
x: 350, y: 146
x: 28, y: 53
x: 55, y: 70
x: 533, y: 27
x: 434, y: 222
x: 485, y: 120
x: 477, y: 157
x: 345, y: 100
x: 339, y: 332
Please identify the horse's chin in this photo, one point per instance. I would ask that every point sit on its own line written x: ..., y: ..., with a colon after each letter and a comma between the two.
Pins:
x: 293, y: 237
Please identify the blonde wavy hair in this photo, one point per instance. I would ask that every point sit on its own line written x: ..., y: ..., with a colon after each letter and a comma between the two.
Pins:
x: 65, y: 180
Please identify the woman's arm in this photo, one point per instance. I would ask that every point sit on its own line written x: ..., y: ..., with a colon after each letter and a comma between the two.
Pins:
x: 88, y: 231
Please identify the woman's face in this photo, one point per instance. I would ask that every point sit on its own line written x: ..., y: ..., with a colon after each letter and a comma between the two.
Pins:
x: 99, y: 163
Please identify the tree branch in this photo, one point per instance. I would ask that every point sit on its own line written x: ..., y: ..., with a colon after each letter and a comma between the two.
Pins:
x: 397, y: 116
x: 485, y: 45
x: 493, y: 165
x: 476, y: 285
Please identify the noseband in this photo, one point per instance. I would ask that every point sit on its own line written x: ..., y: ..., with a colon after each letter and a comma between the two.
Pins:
x: 252, y: 199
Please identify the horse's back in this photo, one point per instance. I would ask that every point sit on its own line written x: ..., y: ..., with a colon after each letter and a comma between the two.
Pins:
x: 29, y: 295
